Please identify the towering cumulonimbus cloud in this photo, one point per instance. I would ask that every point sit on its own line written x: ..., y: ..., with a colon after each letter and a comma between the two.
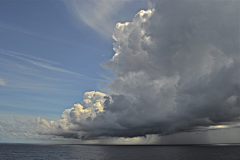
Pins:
x: 177, y: 69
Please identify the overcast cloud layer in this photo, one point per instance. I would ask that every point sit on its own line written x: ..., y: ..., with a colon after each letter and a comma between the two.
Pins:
x: 177, y: 69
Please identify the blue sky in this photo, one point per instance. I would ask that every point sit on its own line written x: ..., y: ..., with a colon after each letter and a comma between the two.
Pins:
x: 49, y: 56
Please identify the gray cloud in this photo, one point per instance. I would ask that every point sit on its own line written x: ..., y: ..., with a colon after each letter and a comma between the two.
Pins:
x: 177, y: 69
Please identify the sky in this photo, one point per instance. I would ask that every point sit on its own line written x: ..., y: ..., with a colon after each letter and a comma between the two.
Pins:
x: 119, y: 72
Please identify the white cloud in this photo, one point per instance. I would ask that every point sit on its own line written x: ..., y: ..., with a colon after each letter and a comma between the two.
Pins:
x: 79, y: 114
x: 3, y: 82
x: 97, y: 14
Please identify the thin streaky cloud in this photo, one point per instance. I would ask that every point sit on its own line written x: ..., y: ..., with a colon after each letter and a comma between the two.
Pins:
x: 52, y: 68
x: 104, y: 76
x: 33, y: 57
x: 8, y: 27
x: 66, y: 71
x: 22, y: 31
x: 39, y: 87
x: 42, y: 36
x: 97, y: 14
x: 12, y: 66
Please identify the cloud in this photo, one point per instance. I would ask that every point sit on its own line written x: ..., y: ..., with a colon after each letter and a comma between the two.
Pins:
x: 46, y: 64
x: 99, y: 15
x: 177, y: 70
x: 32, y: 57
x: 4, y: 26
x: 3, y: 82
x: 20, y: 131
x: 74, y: 122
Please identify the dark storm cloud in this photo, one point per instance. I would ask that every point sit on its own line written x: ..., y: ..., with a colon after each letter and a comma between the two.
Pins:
x: 177, y: 69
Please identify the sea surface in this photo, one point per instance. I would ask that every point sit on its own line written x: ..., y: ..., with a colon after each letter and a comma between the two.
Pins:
x: 111, y: 152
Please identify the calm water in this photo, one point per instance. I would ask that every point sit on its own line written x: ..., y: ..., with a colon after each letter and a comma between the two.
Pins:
x: 94, y: 152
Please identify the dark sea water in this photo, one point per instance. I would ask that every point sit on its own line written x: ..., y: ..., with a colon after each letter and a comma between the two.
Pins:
x: 97, y: 152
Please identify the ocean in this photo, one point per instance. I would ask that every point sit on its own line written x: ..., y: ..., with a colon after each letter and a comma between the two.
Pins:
x: 115, y: 152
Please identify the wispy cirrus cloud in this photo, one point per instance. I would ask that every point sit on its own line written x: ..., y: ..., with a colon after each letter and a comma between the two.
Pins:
x: 95, y: 14
x: 100, y: 15
x: 32, y: 57
x: 46, y: 64
x: 36, y: 34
